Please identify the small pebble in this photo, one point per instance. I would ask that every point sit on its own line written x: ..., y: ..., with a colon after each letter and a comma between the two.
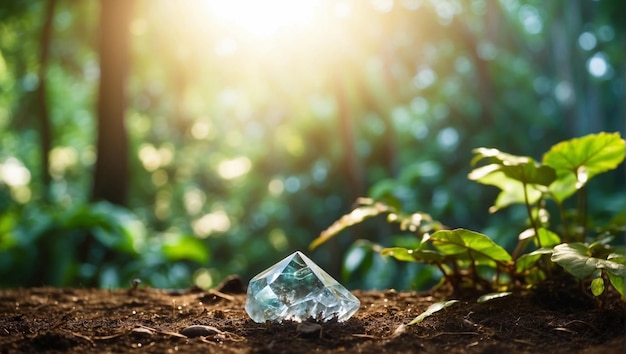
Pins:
x: 199, y: 331
x: 309, y: 329
x: 232, y: 285
x: 141, y: 332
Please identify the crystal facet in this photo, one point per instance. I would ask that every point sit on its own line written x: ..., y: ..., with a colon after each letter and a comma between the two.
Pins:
x: 297, y: 289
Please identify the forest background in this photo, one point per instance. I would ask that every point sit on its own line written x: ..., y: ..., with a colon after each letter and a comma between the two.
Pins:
x: 181, y: 142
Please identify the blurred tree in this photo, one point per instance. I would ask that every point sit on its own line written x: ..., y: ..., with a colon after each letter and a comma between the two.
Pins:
x: 111, y: 178
x: 45, y: 126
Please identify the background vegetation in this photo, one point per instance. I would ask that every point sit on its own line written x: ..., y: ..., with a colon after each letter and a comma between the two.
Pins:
x: 234, y: 135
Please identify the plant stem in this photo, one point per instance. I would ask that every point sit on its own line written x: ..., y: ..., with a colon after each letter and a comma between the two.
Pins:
x: 497, y: 277
x: 518, y: 249
x: 582, y: 213
x: 530, y: 215
x: 563, y: 221
x: 445, y: 275
x: 474, y: 270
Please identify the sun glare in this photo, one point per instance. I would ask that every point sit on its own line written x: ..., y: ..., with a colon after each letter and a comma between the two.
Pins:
x: 264, y: 18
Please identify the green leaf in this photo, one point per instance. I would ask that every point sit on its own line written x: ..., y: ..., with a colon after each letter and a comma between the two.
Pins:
x: 612, y: 267
x: 519, y: 168
x: 587, y: 156
x: 618, y: 284
x: 526, y: 261
x: 438, y: 306
x: 115, y: 227
x: 363, y: 262
x: 575, y: 258
x: 492, y: 296
x: 357, y: 257
x: 601, y: 242
x: 530, y: 173
x: 8, y: 222
x: 617, y: 281
x: 495, y: 155
x: 548, y: 238
x: 178, y: 247
x: 465, y: 244
x: 384, y: 191
x: 399, y: 253
x: 563, y: 187
x: 417, y: 255
x: 370, y: 209
x: 416, y: 222
x: 597, y: 286
x: 525, y: 265
x: 479, y: 173
x: 512, y: 191
x: 535, y: 276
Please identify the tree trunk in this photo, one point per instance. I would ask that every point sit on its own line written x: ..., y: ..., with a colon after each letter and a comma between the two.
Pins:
x: 111, y: 176
x: 485, y: 94
x: 354, y: 178
x: 43, y: 115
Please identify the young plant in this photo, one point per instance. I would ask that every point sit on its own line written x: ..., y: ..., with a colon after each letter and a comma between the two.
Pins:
x: 565, y: 171
x: 469, y: 259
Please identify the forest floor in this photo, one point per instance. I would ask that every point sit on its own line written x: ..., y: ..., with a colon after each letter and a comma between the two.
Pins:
x: 160, y: 321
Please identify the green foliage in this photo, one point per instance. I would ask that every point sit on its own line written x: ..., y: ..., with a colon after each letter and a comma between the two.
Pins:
x: 469, y: 246
x: 367, y: 209
x: 87, y: 244
x: 577, y: 258
x: 597, y: 286
x: 392, y: 113
x: 185, y: 247
x: 471, y: 259
x: 364, y: 265
x: 587, y: 156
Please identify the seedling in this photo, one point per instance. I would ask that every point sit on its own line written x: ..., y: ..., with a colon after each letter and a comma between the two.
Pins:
x: 436, y: 307
x: 468, y: 259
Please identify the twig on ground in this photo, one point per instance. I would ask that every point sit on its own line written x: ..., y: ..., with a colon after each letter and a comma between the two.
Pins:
x: 93, y: 344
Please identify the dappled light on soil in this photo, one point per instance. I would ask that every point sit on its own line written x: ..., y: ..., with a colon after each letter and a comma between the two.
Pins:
x: 192, y: 320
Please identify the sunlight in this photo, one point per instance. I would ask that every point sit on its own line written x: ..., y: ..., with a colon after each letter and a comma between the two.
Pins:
x: 217, y: 221
x: 237, y: 167
x: 264, y: 18
x: 14, y: 173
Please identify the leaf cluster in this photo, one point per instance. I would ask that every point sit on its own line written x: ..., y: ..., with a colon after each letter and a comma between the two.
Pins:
x: 88, y: 243
x: 549, y: 246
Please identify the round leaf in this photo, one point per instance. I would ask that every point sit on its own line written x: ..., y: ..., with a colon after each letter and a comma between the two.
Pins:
x: 530, y: 173
x: 417, y: 255
x: 460, y: 241
x: 512, y: 190
x: 587, y: 156
x: 597, y: 286
x: 574, y: 257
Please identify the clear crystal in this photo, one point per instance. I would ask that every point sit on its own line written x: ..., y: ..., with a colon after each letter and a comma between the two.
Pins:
x: 297, y: 289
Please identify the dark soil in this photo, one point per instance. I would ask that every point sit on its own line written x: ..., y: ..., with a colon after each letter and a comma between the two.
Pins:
x: 151, y: 320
